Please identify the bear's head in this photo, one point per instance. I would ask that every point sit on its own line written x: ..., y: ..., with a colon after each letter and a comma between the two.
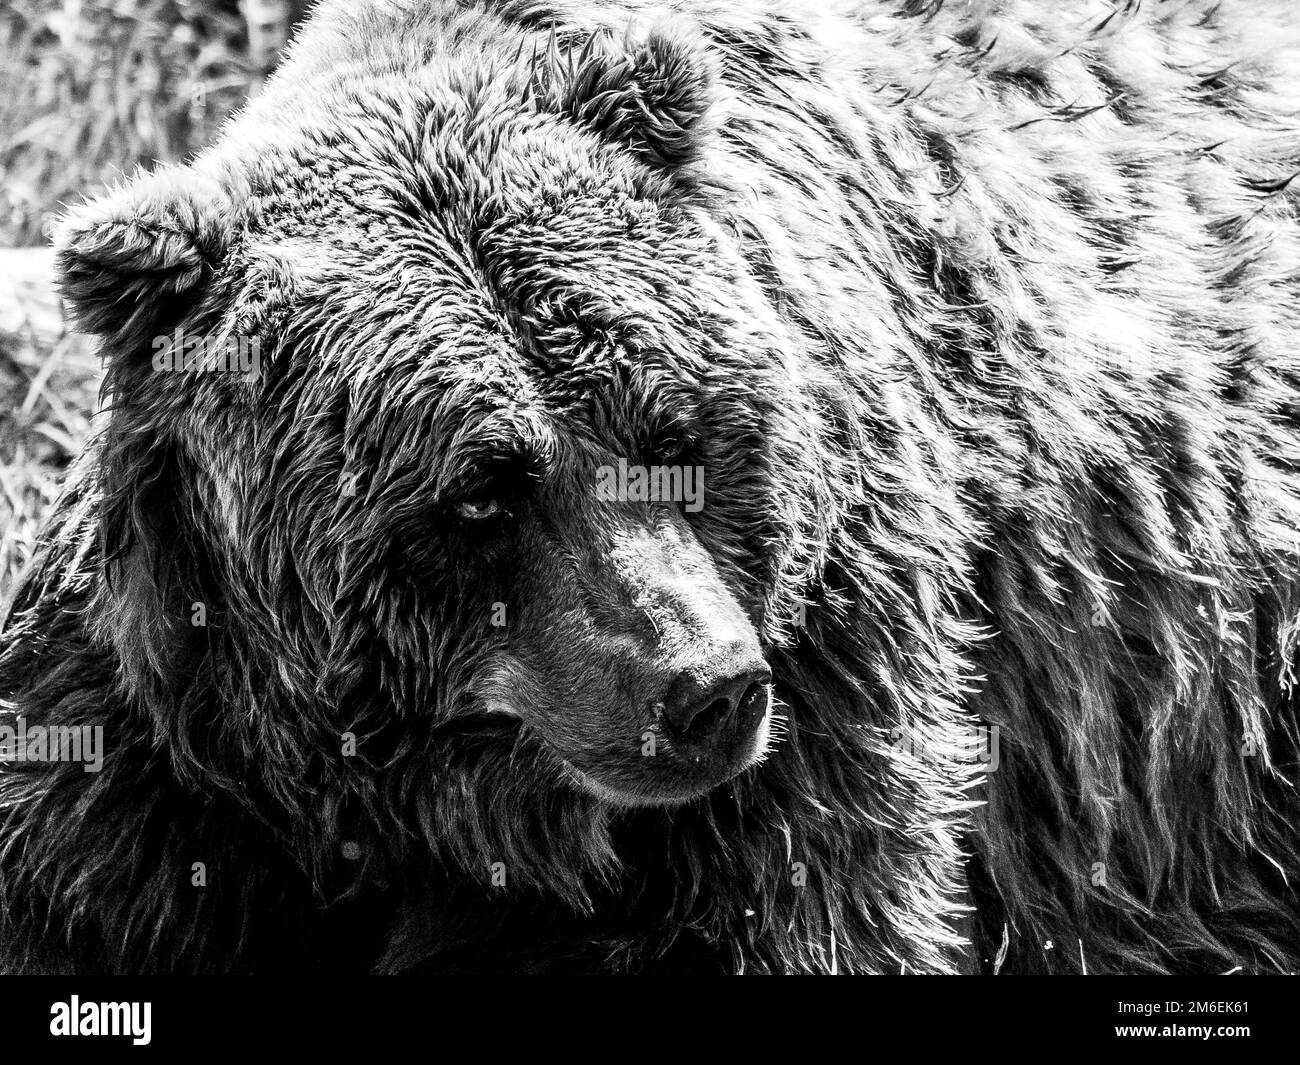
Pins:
x: 452, y: 436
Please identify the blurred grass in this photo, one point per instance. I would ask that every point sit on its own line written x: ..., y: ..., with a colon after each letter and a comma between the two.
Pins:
x: 49, y: 378
x: 89, y: 91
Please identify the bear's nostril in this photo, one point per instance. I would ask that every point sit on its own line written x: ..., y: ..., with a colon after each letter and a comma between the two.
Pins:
x: 707, y: 721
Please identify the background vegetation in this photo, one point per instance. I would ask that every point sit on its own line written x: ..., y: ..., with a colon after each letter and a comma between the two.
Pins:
x: 90, y: 90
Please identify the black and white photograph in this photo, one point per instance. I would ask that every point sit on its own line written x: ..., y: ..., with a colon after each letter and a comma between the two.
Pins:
x: 678, y: 488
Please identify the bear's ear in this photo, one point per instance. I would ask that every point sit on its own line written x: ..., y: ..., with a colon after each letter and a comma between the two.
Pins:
x: 651, y: 92
x: 135, y: 259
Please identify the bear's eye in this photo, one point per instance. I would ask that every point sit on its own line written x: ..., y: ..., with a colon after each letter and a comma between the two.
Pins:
x: 673, y: 450
x: 479, y: 509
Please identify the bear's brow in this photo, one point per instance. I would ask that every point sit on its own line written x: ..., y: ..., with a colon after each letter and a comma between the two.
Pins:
x: 478, y: 461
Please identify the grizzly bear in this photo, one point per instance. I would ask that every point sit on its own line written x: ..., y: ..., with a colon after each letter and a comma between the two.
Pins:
x: 736, y: 486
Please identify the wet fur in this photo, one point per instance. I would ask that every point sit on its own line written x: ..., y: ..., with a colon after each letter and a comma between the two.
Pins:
x: 1022, y: 375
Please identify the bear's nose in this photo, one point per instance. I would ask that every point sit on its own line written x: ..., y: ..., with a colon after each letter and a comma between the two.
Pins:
x: 697, y: 711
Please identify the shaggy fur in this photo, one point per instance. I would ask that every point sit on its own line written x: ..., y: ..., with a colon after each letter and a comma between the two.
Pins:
x: 981, y: 318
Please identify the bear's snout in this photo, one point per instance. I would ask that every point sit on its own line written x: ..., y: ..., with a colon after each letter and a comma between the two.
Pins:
x: 635, y: 660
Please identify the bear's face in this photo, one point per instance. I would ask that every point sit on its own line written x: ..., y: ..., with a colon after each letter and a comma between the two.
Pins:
x: 505, y: 469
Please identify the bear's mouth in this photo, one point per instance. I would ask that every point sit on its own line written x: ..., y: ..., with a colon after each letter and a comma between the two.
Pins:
x: 691, y: 777
x: 486, y: 724
x: 683, y: 768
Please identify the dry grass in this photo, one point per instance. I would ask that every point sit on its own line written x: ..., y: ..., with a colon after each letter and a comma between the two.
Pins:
x: 90, y: 90
x: 49, y: 378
